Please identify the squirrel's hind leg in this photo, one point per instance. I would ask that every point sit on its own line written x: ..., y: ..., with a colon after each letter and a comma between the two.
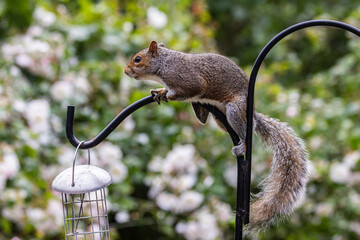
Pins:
x: 236, y: 116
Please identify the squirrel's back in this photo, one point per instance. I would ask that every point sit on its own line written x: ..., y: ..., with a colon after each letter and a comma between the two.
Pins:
x: 212, y: 69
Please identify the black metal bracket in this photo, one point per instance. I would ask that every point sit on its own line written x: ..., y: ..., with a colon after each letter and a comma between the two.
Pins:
x: 241, y: 200
x: 107, y: 130
x: 243, y: 166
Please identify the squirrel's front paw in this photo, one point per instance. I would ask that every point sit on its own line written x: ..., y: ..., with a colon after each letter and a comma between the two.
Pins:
x: 159, y: 95
x: 239, y: 150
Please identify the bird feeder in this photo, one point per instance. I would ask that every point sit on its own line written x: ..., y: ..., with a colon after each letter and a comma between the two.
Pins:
x: 83, y: 194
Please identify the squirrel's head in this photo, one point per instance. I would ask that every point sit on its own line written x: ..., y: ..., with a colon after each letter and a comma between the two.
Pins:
x: 144, y: 62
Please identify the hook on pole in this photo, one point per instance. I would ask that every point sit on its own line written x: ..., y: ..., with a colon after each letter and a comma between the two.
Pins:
x: 108, y: 129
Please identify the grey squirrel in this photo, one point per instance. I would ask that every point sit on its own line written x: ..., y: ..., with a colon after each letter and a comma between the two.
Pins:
x: 216, y: 80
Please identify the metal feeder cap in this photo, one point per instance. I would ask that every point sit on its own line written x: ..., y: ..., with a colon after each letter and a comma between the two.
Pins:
x: 87, y: 178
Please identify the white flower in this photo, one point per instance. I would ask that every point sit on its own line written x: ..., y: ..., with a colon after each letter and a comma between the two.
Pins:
x: 223, y: 211
x: 351, y: 159
x: 316, y: 142
x: 309, y: 123
x: 324, y: 209
x: 62, y: 90
x: 203, y: 227
x: 34, y: 54
x: 109, y: 152
x: 34, y: 31
x: 339, y: 172
x: 66, y: 155
x: 37, y: 115
x: 118, y: 171
x: 56, y: 123
x: 354, y: 198
x: 48, y: 172
x: 80, y: 33
x: 126, y: 84
x: 294, y: 97
x: 188, y: 201
x: 355, y: 227
x: 156, y: 164
x: 190, y: 230
x: 208, y: 224
x: 128, y: 124
x: 208, y: 181
x: 157, y: 186
x: 183, y: 182
x: 45, y: 18
x: 35, y: 215
x: 2, y: 182
x: 230, y: 175
x: 281, y: 97
x: 142, y: 138
x: 354, y: 178
x: 19, y: 106
x: 292, y: 111
x: 24, y: 60
x: 82, y: 84
x: 15, y: 71
x: 128, y: 26
x: 180, y: 227
x: 9, y: 165
x: 14, y: 213
x: 166, y: 201
x: 122, y: 217
x: 156, y: 18
x: 34, y: 46
x: 317, y: 103
x: 55, y: 210
x: 13, y: 195
x: 180, y: 159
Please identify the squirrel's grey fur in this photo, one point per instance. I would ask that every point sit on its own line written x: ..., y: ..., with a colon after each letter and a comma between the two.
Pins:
x: 216, y: 80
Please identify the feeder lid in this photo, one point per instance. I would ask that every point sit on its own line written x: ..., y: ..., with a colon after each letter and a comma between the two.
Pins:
x: 87, y: 178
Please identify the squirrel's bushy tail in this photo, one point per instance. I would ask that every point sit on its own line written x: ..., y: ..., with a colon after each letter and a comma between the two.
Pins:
x: 286, y: 182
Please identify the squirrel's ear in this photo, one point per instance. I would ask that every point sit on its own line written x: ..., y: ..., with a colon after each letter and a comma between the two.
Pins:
x: 153, y: 48
x: 161, y: 45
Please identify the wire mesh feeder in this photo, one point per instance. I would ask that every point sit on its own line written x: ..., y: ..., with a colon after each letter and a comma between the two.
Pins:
x: 83, y: 194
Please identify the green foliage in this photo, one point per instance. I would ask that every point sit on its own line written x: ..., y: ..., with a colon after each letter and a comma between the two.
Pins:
x: 59, y: 53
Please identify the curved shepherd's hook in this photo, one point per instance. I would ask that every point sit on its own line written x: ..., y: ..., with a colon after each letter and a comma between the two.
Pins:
x: 125, y: 113
x: 107, y: 130
x: 241, y: 180
x: 254, y: 72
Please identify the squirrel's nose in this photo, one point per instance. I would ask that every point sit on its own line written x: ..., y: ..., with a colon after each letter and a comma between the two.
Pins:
x: 127, y: 70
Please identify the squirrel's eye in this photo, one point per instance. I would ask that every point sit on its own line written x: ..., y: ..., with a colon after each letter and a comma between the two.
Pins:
x: 138, y: 59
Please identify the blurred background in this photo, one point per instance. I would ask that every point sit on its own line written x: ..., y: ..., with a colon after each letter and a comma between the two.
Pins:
x: 172, y: 177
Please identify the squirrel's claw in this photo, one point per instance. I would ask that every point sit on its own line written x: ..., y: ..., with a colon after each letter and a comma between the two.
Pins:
x: 159, y: 95
x: 239, y: 150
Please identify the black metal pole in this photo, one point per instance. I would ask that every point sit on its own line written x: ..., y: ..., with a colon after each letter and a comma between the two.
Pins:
x: 241, y: 174
x: 254, y: 72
